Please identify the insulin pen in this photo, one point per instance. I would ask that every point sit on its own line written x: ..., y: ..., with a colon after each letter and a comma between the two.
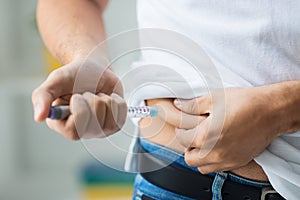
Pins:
x: 62, y: 112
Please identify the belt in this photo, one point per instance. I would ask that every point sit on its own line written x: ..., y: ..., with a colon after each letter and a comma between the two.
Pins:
x: 196, y: 185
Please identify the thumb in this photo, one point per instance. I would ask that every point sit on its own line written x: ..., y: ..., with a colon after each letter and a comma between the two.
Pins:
x: 41, y: 101
x: 56, y: 85
x: 196, y: 106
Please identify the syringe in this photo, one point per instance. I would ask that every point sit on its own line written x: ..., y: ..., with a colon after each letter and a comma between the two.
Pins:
x: 62, y: 112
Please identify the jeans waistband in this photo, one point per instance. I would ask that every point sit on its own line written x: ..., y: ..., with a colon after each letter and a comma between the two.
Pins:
x: 177, y: 158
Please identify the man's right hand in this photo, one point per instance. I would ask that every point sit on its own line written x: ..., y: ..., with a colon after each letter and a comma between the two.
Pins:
x: 94, y: 94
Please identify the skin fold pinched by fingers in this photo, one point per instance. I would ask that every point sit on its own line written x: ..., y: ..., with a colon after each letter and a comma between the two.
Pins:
x: 243, y: 134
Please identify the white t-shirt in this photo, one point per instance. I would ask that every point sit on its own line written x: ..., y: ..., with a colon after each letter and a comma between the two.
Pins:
x: 251, y: 43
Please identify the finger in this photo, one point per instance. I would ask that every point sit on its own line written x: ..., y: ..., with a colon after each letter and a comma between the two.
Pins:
x: 63, y: 100
x: 102, y: 122
x: 81, y: 114
x: 194, y: 158
x: 193, y: 138
x: 170, y: 114
x: 219, y: 167
x: 96, y: 106
x: 110, y: 126
x: 65, y: 128
x: 75, y: 125
x: 196, y: 106
x: 117, y: 84
x: 206, y: 169
x: 56, y: 85
x: 41, y: 100
x: 121, y: 113
x: 98, y: 114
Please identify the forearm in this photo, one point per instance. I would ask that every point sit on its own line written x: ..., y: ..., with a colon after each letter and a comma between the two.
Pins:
x: 71, y: 28
x: 284, y: 99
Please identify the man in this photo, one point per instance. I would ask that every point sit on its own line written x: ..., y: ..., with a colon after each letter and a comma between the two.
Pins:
x: 250, y: 40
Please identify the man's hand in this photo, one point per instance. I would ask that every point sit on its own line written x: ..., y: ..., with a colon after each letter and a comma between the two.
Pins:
x: 71, y: 31
x: 94, y: 94
x: 249, y: 127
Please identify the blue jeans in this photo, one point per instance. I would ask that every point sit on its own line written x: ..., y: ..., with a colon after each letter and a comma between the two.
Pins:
x: 144, y: 189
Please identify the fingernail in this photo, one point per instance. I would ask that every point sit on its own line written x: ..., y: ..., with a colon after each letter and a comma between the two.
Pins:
x: 177, y: 103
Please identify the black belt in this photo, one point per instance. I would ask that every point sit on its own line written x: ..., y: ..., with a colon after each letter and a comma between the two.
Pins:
x: 195, y: 185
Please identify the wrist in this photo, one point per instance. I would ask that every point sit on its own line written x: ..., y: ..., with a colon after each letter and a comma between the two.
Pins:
x: 290, y: 92
x: 283, y: 105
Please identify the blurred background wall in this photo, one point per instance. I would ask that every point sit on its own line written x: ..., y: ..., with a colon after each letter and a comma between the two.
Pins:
x: 36, y: 163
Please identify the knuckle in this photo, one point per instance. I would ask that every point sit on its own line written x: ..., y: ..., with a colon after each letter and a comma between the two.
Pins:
x: 204, y: 170
x: 56, y: 73
x: 118, y: 128
x: 109, y: 82
x: 112, y: 128
x: 71, y: 133
x: 107, y: 132
x: 72, y: 136
x: 117, y: 100
x: 189, y: 161
x: 105, y: 99
x: 89, y: 135
x: 87, y: 95
x: 114, y: 80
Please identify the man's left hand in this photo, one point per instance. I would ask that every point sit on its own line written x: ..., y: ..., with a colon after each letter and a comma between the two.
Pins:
x: 249, y: 126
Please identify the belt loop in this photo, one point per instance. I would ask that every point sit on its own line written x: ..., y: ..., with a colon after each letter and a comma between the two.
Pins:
x: 217, y: 185
x: 266, y: 192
